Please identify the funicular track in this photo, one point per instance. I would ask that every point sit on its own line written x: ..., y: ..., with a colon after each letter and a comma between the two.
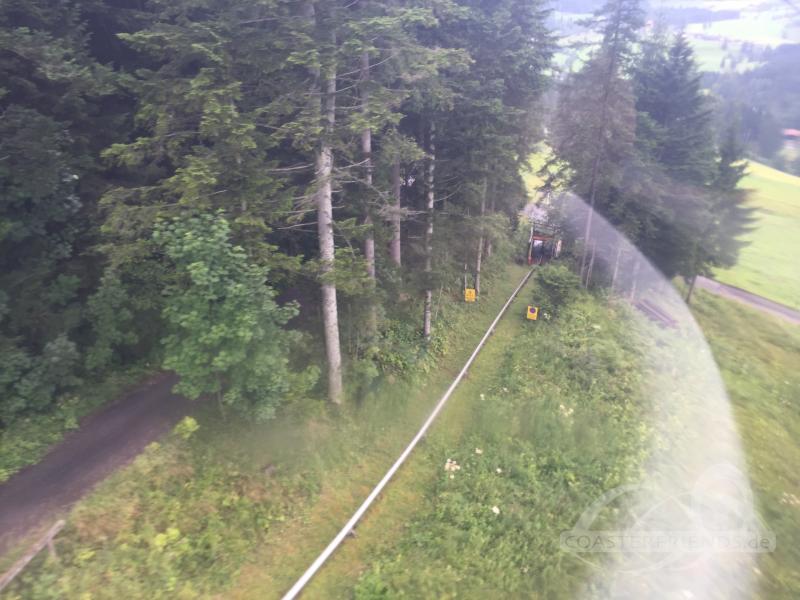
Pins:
x: 349, y: 526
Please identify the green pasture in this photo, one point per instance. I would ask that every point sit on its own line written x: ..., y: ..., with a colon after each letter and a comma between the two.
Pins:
x: 770, y: 264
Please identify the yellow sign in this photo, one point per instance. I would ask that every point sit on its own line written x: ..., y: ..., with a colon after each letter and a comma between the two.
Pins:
x: 533, y: 313
x: 469, y: 295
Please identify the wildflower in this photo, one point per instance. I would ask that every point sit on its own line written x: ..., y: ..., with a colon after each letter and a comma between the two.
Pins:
x: 505, y: 389
x: 496, y: 510
x: 451, y: 465
x: 498, y: 470
x: 565, y: 412
x: 452, y: 476
x: 483, y: 397
x: 791, y: 499
x: 478, y: 451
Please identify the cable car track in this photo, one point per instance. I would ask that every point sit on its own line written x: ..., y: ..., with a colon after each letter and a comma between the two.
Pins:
x: 334, y: 544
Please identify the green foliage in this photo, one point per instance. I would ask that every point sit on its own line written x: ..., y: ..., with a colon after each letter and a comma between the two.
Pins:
x: 538, y: 447
x: 225, y: 329
x: 33, y: 383
x: 187, y: 516
x: 112, y: 321
x: 186, y: 428
x: 30, y: 435
x: 179, y: 522
x: 557, y: 285
x: 51, y: 130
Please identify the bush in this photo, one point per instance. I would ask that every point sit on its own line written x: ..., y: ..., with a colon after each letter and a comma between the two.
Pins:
x: 557, y: 286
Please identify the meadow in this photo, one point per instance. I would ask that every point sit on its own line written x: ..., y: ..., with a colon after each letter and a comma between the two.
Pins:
x: 758, y: 358
x: 770, y: 264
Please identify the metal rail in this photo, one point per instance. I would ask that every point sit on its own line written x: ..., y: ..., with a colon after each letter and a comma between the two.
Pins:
x: 348, y: 527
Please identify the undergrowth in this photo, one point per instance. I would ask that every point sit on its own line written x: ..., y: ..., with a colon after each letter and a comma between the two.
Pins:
x: 27, y: 439
x: 560, y: 422
x: 183, y: 520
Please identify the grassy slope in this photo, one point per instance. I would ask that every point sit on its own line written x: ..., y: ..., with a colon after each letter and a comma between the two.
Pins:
x: 559, y: 440
x: 187, y: 516
x: 759, y: 358
x: 770, y: 265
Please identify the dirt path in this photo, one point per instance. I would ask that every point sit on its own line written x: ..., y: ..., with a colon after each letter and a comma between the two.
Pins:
x: 752, y: 300
x: 106, y: 440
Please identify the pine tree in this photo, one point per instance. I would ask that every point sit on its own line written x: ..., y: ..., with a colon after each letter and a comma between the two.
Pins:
x: 676, y: 146
x: 594, y: 125
x: 732, y: 218
x: 56, y: 111
x: 669, y: 94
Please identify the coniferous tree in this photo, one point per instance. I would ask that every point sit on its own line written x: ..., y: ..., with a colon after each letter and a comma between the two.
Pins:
x: 675, y: 143
x: 56, y: 111
x: 731, y: 217
x: 594, y: 124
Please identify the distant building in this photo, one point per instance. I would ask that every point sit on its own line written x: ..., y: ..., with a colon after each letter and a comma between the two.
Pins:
x: 791, y: 145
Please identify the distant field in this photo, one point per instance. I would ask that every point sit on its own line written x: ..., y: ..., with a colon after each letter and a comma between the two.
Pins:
x: 710, y: 54
x: 760, y: 25
x: 770, y: 265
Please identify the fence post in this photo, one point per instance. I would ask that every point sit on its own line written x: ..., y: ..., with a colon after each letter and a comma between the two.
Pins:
x: 45, y: 540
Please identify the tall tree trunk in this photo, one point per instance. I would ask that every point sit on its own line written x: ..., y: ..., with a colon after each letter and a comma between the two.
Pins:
x: 430, y: 180
x: 691, y: 289
x: 489, y: 239
x: 479, y: 258
x: 369, y: 241
x: 610, y: 74
x: 324, y: 201
x: 395, y: 250
x: 587, y: 232
x: 615, y: 273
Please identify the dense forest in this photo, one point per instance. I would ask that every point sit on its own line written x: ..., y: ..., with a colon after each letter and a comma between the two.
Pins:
x: 270, y: 197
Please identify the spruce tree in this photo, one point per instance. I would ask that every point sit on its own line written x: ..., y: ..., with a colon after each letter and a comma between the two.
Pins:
x: 594, y: 124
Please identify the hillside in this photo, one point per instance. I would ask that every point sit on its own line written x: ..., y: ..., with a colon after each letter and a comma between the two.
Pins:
x: 769, y: 265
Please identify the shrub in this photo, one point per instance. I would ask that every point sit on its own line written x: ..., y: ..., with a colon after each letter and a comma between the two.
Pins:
x: 557, y: 286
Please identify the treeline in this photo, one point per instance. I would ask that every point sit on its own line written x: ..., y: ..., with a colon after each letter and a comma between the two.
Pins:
x: 763, y: 101
x: 633, y: 136
x: 173, y: 173
x: 181, y: 179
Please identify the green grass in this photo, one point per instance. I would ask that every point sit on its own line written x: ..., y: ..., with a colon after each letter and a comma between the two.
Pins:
x: 759, y: 357
x: 762, y: 26
x: 551, y: 406
x: 710, y: 53
x: 196, y: 517
x: 770, y: 265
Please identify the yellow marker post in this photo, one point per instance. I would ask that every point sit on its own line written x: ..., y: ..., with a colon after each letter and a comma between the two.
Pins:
x: 469, y: 295
x: 533, y: 313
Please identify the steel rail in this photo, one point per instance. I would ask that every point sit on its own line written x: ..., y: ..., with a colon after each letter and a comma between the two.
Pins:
x: 348, y: 527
